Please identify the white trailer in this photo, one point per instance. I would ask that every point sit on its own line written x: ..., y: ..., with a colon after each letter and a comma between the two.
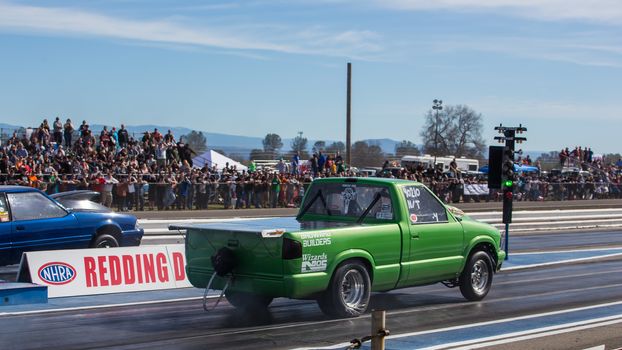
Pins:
x: 427, y: 161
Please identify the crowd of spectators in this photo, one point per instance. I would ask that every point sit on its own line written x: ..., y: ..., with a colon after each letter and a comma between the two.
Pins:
x: 155, y: 171
x: 580, y: 175
x: 578, y: 157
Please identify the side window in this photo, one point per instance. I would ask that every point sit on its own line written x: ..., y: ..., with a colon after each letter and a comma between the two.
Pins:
x: 32, y: 206
x: 4, y: 209
x: 423, y: 207
x: 383, y: 210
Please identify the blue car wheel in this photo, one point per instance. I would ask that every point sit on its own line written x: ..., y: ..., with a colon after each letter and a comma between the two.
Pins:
x: 105, y: 241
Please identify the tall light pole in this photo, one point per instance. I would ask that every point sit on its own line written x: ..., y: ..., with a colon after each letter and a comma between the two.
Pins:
x: 438, y: 105
x: 298, y: 149
x: 349, y: 117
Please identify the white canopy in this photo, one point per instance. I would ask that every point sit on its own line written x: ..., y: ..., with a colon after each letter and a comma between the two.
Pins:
x: 212, y: 158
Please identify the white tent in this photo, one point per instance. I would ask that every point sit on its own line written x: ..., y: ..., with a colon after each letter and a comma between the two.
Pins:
x: 212, y: 158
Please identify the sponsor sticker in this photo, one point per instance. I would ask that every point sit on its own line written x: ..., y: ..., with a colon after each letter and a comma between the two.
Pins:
x: 314, y: 262
x: 348, y: 195
x: 385, y: 212
x: 455, y: 211
x: 276, y: 233
x: 316, y: 239
x: 413, y: 218
x: 384, y: 215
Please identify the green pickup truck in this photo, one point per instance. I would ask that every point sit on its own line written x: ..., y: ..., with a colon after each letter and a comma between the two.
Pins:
x: 352, y: 236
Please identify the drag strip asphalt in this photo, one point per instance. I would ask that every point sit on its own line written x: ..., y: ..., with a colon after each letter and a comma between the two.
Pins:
x: 516, y: 262
x: 502, y: 331
x: 555, y: 292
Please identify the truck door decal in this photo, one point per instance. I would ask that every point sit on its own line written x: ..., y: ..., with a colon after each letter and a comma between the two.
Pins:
x: 316, y: 239
x: 314, y: 263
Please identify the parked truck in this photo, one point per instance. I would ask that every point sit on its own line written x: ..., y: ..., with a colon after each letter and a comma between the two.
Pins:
x: 351, y: 237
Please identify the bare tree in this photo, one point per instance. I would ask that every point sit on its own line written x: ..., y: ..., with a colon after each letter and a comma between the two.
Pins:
x: 196, y: 141
x: 459, y: 131
x: 318, y: 146
x: 272, y: 144
x: 364, y: 154
x: 299, y: 145
x: 405, y: 148
x: 336, y: 147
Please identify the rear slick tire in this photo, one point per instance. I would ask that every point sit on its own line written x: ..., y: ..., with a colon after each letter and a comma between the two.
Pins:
x: 476, y: 278
x: 348, y: 293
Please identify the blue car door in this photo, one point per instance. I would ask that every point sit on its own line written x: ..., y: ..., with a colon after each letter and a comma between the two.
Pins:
x: 6, y: 255
x: 39, y: 223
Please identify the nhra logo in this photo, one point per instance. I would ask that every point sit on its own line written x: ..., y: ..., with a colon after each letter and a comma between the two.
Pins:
x: 57, y: 273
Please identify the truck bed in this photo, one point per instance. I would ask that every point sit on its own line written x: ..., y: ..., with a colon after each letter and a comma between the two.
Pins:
x: 288, y: 224
x: 256, y: 243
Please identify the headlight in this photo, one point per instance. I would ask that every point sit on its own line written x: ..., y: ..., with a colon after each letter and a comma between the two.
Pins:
x: 137, y: 226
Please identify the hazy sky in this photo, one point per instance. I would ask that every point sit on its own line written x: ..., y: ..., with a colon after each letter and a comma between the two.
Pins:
x: 258, y: 66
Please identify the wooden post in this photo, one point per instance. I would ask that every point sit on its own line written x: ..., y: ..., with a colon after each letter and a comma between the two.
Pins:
x: 377, y: 324
x: 348, y: 118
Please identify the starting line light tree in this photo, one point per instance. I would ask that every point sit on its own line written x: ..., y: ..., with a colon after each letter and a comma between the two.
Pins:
x: 506, y: 169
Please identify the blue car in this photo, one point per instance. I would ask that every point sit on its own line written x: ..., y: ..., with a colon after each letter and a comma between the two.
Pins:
x: 31, y: 220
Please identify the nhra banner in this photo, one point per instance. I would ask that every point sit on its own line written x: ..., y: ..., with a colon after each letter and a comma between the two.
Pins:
x: 100, y: 271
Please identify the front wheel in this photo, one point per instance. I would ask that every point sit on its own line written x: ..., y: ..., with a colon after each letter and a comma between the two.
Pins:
x: 105, y: 241
x: 476, y: 277
x: 247, y: 301
x: 348, y: 293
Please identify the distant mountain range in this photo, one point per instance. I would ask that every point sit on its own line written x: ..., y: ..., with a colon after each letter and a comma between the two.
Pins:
x: 231, y: 144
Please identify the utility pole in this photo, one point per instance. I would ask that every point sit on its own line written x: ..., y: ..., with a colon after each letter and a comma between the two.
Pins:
x: 348, y: 118
x: 508, y: 177
x: 438, y: 105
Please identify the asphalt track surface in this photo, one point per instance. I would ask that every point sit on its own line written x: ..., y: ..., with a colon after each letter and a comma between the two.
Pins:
x: 293, y: 324
x: 522, y: 300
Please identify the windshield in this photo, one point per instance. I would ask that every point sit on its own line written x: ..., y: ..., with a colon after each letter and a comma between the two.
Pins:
x: 349, y: 200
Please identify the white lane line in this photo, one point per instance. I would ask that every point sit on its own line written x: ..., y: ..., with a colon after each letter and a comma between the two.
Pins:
x: 555, y: 211
x: 516, y: 298
x: 567, y: 222
x: 90, y: 307
x: 559, y: 228
x: 569, y: 251
x: 556, y: 218
x: 558, y: 277
x: 529, y: 334
x: 530, y: 266
x: 163, y: 237
x: 163, y: 229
